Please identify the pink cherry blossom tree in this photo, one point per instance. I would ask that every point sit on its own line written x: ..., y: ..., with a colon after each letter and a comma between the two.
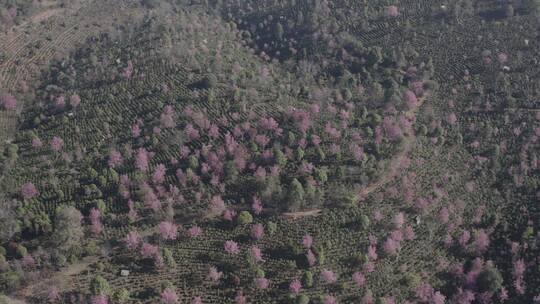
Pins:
x: 408, y: 233
x: 127, y: 72
x: 132, y: 240
x: 367, y: 298
x: 168, y: 230
x: 240, y: 298
x: 410, y: 99
x: 368, y: 267
x: 57, y: 144
x: 328, y: 299
x: 372, y: 253
x: 141, y: 159
x: 256, y: 206
x: 438, y: 298
x: 310, y: 256
x: 100, y: 299
x: 502, y: 58
x: 390, y: 246
x: 359, y: 279
x: 464, y: 238
x: 29, y: 191
x: 231, y: 247
x: 28, y: 261
x: 328, y: 276
x: 75, y: 101
x: 463, y: 296
x: 307, y: 241
x: 159, y: 174
x: 518, y: 273
x: 257, y: 231
x: 195, y: 231
x: 392, y: 11
x: 191, y: 132
x: 217, y: 206
x: 295, y: 287
x: 8, y: 102
x: 167, y: 119
x: 115, y: 159
x: 261, y: 283
x: 149, y: 250
x: 60, y: 102
x: 95, y: 221
x: 36, y: 143
x: 213, y: 274
x: 451, y: 118
x: 53, y: 294
x: 481, y: 242
x: 444, y: 215
x: 169, y: 296
x: 229, y: 215
x: 136, y: 130
x: 268, y: 123
x: 424, y: 292
x: 256, y: 254
x: 197, y: 300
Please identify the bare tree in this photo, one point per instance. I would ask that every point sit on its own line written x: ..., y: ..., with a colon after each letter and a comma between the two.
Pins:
x: 9, y: 225
x: 68, y: 231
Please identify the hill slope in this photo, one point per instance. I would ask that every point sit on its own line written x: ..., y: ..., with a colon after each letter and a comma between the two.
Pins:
x: 271, y: 152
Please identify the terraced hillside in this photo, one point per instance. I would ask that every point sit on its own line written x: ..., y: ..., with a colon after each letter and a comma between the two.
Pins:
x: 35, y: 42
x: 270, y: 151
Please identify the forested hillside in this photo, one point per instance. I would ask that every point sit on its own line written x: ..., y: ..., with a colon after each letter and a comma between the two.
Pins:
x: 270, y: 151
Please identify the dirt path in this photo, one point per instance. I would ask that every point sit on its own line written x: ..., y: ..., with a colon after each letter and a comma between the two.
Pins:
x: 394, y: 169
x: 41, y: 16
x: 397, y: 161
x: 46, y: 15
x: 300, y: 214
x: 14, y: 301
x: 60, y: 279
